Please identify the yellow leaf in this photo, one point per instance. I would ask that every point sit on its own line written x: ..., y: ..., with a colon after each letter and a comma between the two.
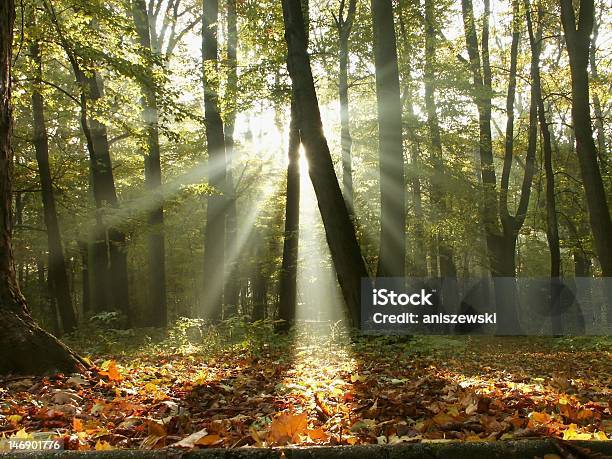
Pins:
x: 572, y: 434
x: 473, y: 438
x: 102, y: 445
x: 600, y: 436
x: 13, y: 418
x: 22, y: 434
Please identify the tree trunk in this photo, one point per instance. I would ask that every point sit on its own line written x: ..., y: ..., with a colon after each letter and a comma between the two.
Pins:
x: 500, y: 241
x: 156, y: 316
x: 231, y: 284
x: 419, y: 252
x: 578, y: 41
x: 214, y: 237
x: 339, y: 229
x: 57, y: 263
x: 392, y: 258
x: 552, y: 226
x: 344, y: 26
x: 438, y: 197
x: 599, y: 117
x: 110, y: 240
x: 24, y: 347
x: 288, y: 279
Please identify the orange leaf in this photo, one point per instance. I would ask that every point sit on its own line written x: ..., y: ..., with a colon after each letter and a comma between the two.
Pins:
x: 287, y: 428
x: 209, y: 440
x: 77, y: 425
x: 318, y: 435
x: 112, y: 372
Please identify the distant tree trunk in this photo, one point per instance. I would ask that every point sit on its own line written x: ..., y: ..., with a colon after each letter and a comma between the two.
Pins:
x: 420, y: 253
x: 259, y: 281
x: 214, y: 236
x: 438, y: 197
x: 339, y: 230
x: 577, y: 40
x: 344, y: 25
x: 500, y: 241
x: 156, y: 315
x: 288, y: 277
x: 599, y: 117
x: 392, y: 257
x: 110, y: 262
x: 85, y: 290
x: 552, y: 226
x: 57, y: 264
x: 25, y: 348
x: 231, y: 283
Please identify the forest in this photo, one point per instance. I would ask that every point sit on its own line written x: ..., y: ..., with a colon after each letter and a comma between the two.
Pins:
x: 193, y: 194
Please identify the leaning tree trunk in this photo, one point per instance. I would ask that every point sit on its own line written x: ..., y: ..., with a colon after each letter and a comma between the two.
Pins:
x: 156, y: 315
x: 216, y: 210
x: 392, y: 256
x: 25, y: 348
x: 578, y: 42
x: 344, y: 24
x: 339, y: 230
x: 288, y: 276
x: 57, y: 263
x: 438, y: 197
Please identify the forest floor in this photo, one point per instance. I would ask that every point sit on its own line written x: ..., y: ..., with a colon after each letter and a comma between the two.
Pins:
x: 314, y: 389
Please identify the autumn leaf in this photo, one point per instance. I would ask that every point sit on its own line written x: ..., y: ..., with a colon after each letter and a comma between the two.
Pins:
x: 209, y: 440
x: 191, y: 440
x: 318, y: 435
x: 103, y: 446
x: 110, y: 370
x: 287, y: 428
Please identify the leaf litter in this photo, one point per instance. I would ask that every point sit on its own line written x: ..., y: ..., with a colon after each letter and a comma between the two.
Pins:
x: 321, y: 392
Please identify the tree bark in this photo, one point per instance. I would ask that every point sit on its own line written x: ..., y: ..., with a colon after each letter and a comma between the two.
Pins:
x: 231, y: 284
x: 344, y: 24
x: 577, y: 40
x: 288, y: 279
x: 339, y: 229
x: 438, y: 197
x: 57, y: 263
x: 599, y: 117
x: 216, y: 210
x: 24, y: 347
x: 419, y: 253
x: 392, y: 258
x: 156, y: 316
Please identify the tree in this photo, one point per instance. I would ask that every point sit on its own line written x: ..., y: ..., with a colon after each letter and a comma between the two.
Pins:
x: 291, y: 236
x: 231, y: 283
x: 216, y: 211
x: 577, y: 39
x: 157, y: 314
x: 25, y: 348
x: 438, y: 197
x: 500, y: 241
x: 344, y: 24
x: 339, y: 229
x: 392, y: 257
x: 57, y: 263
